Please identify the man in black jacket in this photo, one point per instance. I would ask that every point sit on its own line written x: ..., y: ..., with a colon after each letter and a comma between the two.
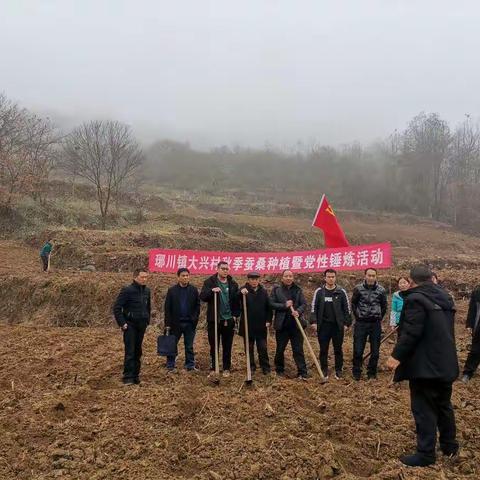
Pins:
x: 331, y: 317
x: 223, y: 285
x: 182, y: 308
x: 426, y: 355
x: 132, y: 312
x: 259, y: 312
x: 473, y: 325
x: 369, y: 306
x: 289, y: 302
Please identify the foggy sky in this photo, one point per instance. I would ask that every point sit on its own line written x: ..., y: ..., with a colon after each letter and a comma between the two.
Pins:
x: 243, y: 71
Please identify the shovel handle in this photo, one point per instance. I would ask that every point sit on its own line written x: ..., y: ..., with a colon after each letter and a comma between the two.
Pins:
x: 309, y: 346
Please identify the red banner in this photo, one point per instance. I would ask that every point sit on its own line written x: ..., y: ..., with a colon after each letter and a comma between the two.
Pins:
x: 205, y: 262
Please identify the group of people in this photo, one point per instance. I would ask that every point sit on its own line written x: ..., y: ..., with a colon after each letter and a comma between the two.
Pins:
x: 330, y: 315
x: 422, y: 313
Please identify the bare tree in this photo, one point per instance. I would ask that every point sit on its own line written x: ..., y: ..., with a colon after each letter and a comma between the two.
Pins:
x: 425, y: 148
x: 27, y: 151
x: 106, y: 154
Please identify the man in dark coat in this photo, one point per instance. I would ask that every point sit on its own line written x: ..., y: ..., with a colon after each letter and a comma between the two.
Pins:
x: 369, y: 306
x: 331, y: 317
x: 182, y: 309
x: 426, y: 355
x: 223, y: 285
x: 132, y: 312
x: 289, y: 303
x: 473, y: 325
x: 259, y: 311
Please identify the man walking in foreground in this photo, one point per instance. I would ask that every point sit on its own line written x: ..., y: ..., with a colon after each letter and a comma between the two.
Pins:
x: 182, y: 308
x: 426, y: 355
x: 223, y: 285
x: 369, y: 306
x: 132, y: 312
x: 330, y: 318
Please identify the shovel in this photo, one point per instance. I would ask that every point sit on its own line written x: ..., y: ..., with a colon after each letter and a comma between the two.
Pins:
x: 216, y: 378
x: 248, y: 380
x: 309, y: 346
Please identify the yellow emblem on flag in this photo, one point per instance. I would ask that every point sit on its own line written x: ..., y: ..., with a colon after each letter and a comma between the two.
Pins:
x: 329, y: 210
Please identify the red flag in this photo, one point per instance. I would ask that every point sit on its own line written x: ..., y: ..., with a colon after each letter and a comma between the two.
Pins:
x: 326, y: 220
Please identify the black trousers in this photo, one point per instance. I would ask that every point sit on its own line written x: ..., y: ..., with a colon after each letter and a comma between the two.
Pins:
x: 44, y: 259
x: 363, y: 331
x: 294, y: 336
x: 133, y: 339
x: 225, y: 337
x: 330, y: 331
x: 432, y: 409
x: 263, y: 359
x: 473, y: 359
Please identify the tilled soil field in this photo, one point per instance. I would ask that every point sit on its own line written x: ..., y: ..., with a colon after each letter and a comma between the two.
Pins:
x: 65, y: 414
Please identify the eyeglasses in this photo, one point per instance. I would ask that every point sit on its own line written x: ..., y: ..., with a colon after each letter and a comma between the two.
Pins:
x: 224, y: 268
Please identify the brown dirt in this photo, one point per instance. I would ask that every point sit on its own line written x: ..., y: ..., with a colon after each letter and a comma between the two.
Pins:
x: 64, y: 413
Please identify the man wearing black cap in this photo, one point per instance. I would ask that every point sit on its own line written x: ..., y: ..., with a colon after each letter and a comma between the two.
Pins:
x: 426, y: 355
x: 259, y: 312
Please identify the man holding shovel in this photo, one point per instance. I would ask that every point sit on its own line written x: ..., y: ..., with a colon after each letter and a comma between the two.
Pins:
x: 259, y: 315
x: 289, y: 303
x: 220, y: 292
x: 45, y: 254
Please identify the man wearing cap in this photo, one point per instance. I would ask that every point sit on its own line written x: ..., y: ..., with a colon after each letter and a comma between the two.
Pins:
x: 259, y: 312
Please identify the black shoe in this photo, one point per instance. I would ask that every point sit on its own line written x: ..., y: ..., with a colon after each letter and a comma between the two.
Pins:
x: 280, y: 374
x: 325, y: 373
x: 466, y: 378
x: 356, y: 377
x: 128, y: 381
x: 372, y: 376
x: 338, y: 375
x: 303, y: 377
x: 136, y: 381
x: 451, y: 451
x: 417, y: 460
x: 266, y: 371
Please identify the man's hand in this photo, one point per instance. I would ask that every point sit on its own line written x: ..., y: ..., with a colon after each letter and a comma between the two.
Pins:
x: 216, y: 289
x: 469, y: 330
x: 392, y: 363
x: 289, y: 303
x: 267, y: 325
x: 244, y: 291
x: 124, y: 326
x: 314, y: 327
x: 346, y: 328
x: 295, y: 313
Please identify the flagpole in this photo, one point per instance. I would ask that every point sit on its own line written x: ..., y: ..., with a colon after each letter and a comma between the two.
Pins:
x: 318, y: 209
